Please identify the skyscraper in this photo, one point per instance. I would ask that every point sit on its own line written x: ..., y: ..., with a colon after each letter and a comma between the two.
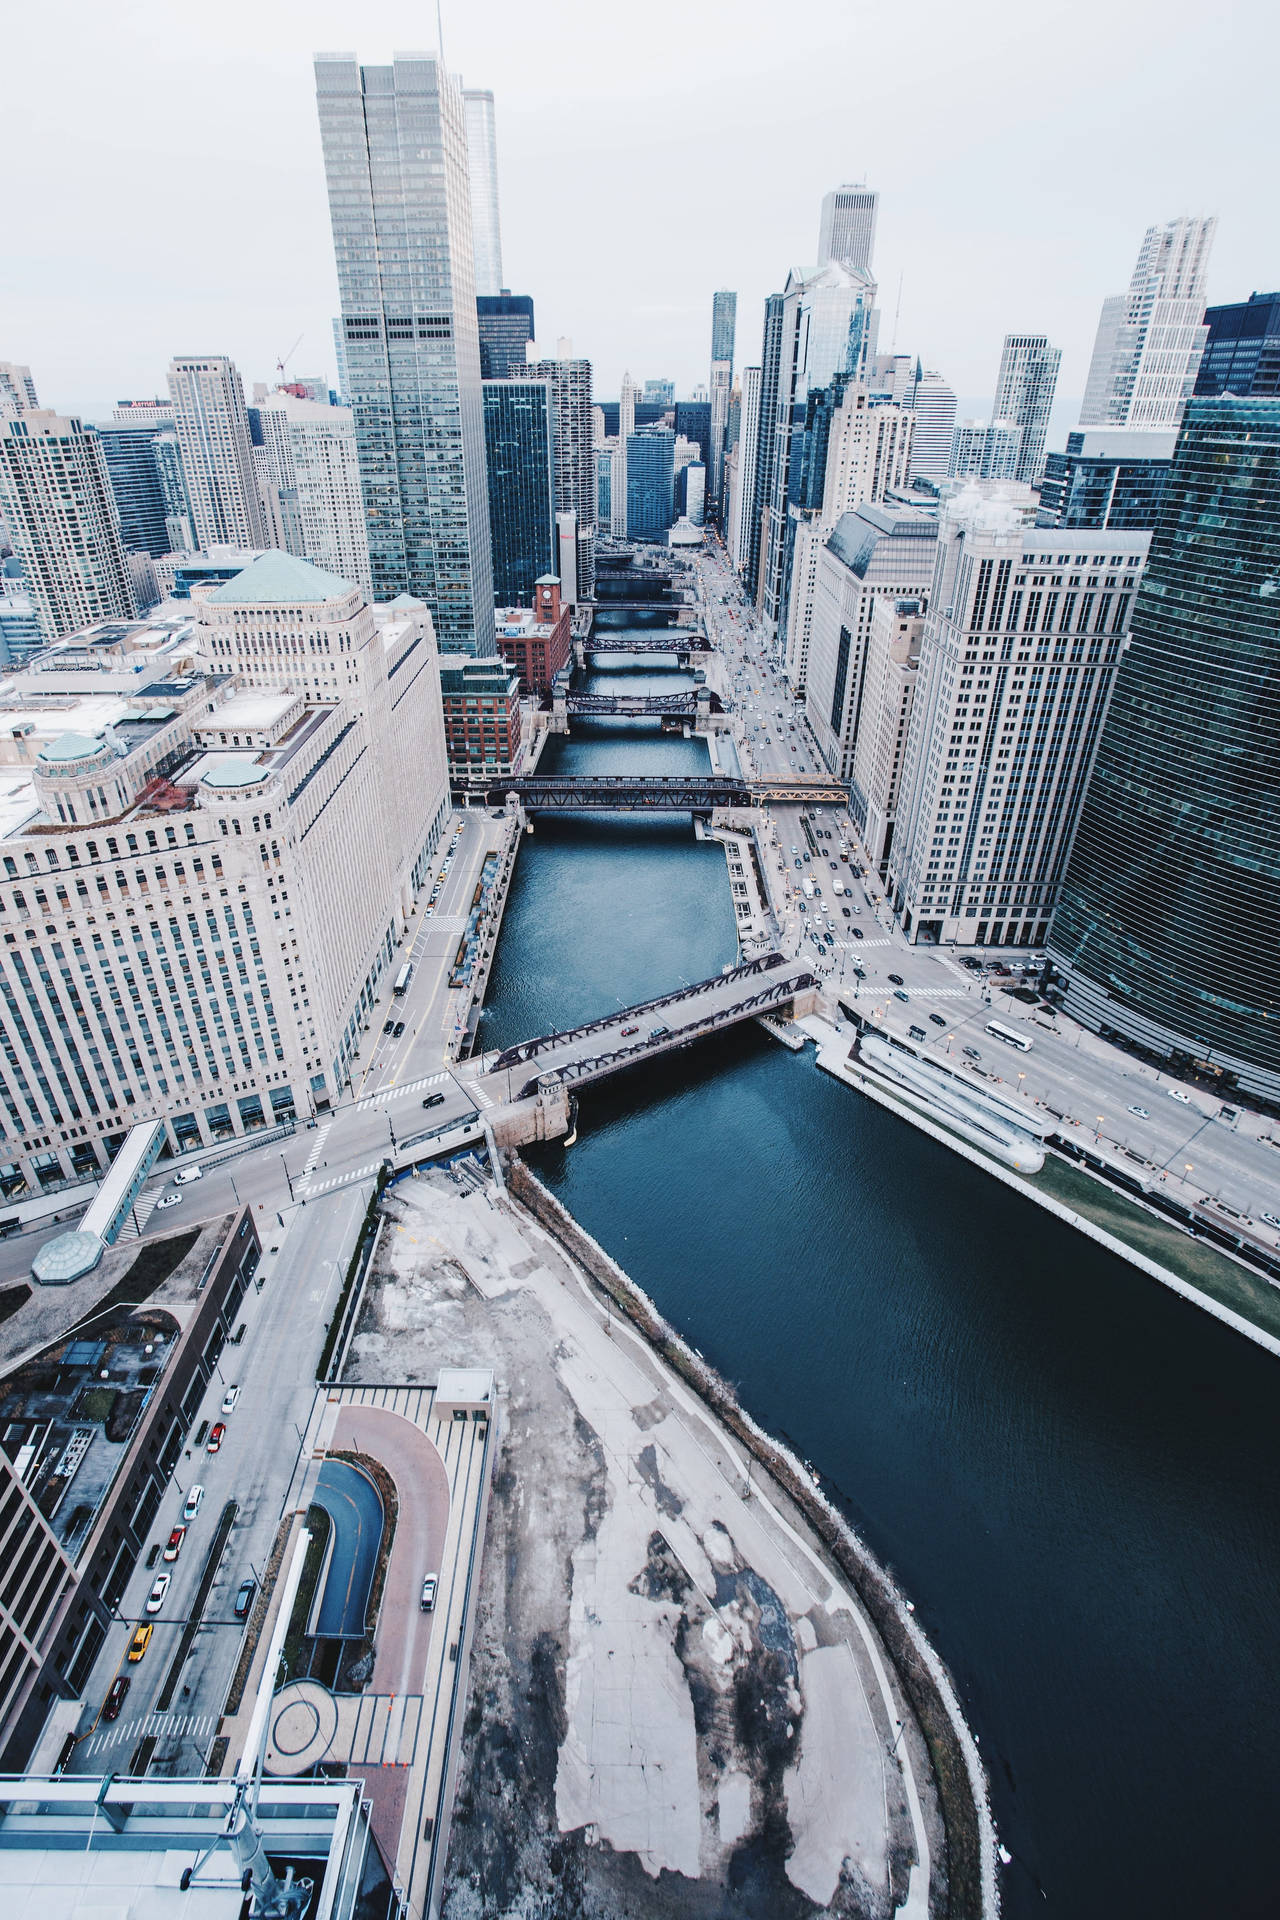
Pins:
x: 766, y: 434
x: 316, y: 463
x: 482, y: 166
x: 403, y: 246
x: 1169, y: 922
x: 650, y: 478
x: 626, y: 428
x: 212, y: 426
x: 1150, y: 339
x: 518, y: 456
x: 724, y: 315
x: 17, y: 389
x: 1106, y: 478
x: 739, y: 535
x: 178, y: 525
x: 934, y: 404
x: 847, y: 230
x: 56, y: 498
x: 659, y: 393
x: 135, y: 484
x: 506, y: 327
x: 724, y: 321
x: 982, y: 450
x: 1025, y: 388
x: 1242, y: 353
x: 573, y: 454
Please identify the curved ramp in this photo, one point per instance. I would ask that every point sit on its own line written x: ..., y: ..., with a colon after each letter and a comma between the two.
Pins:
x: 354, y: 1507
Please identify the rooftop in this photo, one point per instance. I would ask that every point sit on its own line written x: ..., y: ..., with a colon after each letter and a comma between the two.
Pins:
x: 280, y: 580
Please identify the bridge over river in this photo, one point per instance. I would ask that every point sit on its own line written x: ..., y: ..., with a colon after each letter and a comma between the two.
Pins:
x: 650, y: 793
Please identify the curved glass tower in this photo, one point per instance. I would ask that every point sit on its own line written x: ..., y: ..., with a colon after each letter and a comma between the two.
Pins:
x: 1168, y: 928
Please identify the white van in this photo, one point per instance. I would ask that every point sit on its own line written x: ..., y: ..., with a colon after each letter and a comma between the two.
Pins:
x: 188, y: 1174
x: 808, y: 889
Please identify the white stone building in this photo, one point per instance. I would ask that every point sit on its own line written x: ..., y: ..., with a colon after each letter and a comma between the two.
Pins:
x: 1024, y: 631
x: 314, y: 465
x: 212, y: 425
x: 1150, y: 338
x: 879, y: 748
x: 204, y: 878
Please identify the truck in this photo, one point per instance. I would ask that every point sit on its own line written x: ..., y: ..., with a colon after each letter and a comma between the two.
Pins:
x: 808, y: 888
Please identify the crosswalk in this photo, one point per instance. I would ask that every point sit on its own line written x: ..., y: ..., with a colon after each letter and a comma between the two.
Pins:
x: 155, y: 1726
x: 140, y: 1212
x: 347, y: 1179
x: 314, y: 1154
x: 381, y: 1098
x: 449, y: 922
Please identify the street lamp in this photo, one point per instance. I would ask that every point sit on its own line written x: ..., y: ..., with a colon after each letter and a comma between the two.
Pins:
x: 285, y: 1164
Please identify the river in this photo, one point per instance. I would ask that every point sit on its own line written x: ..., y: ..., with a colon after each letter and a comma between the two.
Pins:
x: 1073, y: 1473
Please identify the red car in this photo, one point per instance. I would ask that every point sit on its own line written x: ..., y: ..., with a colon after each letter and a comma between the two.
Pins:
x: 628, y: 1031
x: 174, y: 1548
x: 115, y: 1699
x: 216, y: 1437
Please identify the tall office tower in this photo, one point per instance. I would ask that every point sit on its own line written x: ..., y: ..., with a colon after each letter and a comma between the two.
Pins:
x: 340, y: 362
x: 826, y: 334
x: 573, y: 452
x: 982, y: 451
x: 598, y: 433
x: 766, y: 433
x: 1169, y: 921
x: 1106, y: 478
x: 402, y: 241
x: 505, y: 321
x: 718, y: 427
x: 55, y: 496
x: 724, y: 321
x: 739, y: 539
x: 1022, y: 638
x: 1242, y: 353
x: 135, y: 485
x: 893, y: 375
x: 626, y: 429
x: 650, y: 478
x: 212, y: 425
x: 17, y: 390
x: 142, y: 413
x: 934, y: 404
x: 1025, y: 387
x: 482, y: 166
x: 1150, y: 339
x: 659, y: 393
x: 847, y: 229
x: 518, y: 420
x: 178, y: 523
x: 733, y: 427
x: 880, y: 739
x: 856, y: 452
x: 604, y: 484
x: 873, y: 553
x: 691, y: 495
x: 693, y: 421
x: 315, y: 463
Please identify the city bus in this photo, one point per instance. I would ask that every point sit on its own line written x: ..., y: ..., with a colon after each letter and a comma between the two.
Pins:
x: 1010, y: 1036
x: 403, y: 978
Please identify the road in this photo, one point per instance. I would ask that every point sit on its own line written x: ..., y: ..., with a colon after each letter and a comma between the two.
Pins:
x: 1070, y: 1069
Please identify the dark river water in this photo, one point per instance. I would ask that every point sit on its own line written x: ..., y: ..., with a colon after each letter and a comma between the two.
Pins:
x: 1073, y: 1474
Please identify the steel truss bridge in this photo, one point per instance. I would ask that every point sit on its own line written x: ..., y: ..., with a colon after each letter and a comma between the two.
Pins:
x: 650, y: 793
x: 593, y: 1051
x: 681, y: 640
x: 685, y: 706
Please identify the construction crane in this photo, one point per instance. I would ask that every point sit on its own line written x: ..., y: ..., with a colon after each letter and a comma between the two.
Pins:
x: 282, y: 364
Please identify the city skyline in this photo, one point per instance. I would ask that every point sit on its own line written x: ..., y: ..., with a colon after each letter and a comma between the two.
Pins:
x: 617, y: 309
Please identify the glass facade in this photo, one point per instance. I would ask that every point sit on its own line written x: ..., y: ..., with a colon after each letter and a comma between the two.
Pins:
x: 135, y: 482
x: 395, y: 153
x: 517, y: 438
x: 1096, y: 484
x: 650, y: 483
x: 724, y: 320
x: 1242, y: 353
x: 1169, y: 920
x: 506, y: 328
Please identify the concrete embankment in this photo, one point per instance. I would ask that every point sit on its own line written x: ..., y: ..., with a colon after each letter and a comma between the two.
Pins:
x: 963, y: 1878
x: 489, y: 923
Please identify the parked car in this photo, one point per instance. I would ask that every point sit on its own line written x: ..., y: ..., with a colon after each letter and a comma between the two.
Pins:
x: 1269, y: 1219
x: 1176, y: 1093
x: 244, y: 1598
x: 140, y: 1641
x: 174, y: 1545
x: 169, y: 1200
x: 397, y: 1030
x: 388, y: 1026
x: 428, y: 1600
x: 194, y: 1496
x: 159, y: 1588
x: 217, y: 1435
x: 434, y: 1100
x: 116, y: 1696
x: 229, y: 1399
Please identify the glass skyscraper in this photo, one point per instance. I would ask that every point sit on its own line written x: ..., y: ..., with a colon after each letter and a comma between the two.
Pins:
x: 1242, y: 353
x: 1169, y: 921
x: 1107, y: 477
x: 395, y: 152
x: 506, y: 328
x: 518, y: 453
x: 135, y: 482
x: 650, y: 483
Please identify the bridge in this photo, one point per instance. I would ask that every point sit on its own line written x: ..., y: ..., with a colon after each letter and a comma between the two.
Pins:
x: 686, y: 705
x: 682, y: 640
x: 642, y: 1032
x: 654, y: 793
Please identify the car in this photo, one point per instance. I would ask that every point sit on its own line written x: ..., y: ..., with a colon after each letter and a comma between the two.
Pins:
x: 217, y: 1435
x: 229, y: 1399
x: 397, y: 1030
x: 938, y: 1019
x: 1176, y: 1093
x: 833, y: 866
x: 244, y: 1598
x: 627, y: 1032
x: 434, y: 1100
x: 187, y: 1175
x: 140, y: 1641
x: 799, y: 863
x: 115, y: 1698
x: 159, y: 1588
x: 656, y: 1033
x: 1269, y: 1219
x: 169, y: 1200
x: 846, y: 911
x: 857, y: 932
x: 900, y: 993
x: 428, y: 1600
x: 173, y: 1546
x: 1139, y: 1113
x: 388, y: 1026
x: 971, y: 1053
x: 896, y: 979
x: 194, y: 1496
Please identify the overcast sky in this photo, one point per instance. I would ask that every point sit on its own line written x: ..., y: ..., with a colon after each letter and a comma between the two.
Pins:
x: 163, y: 190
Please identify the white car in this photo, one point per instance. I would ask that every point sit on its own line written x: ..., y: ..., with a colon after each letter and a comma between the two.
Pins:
x: 194, y: 1496
x: 169, y: 1200
x: 1139, y: 1113
x: 159, y: 1588
x: 229, y: 1399
x: 1176, y: 1093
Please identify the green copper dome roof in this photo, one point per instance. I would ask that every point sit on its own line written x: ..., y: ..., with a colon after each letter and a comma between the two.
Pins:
x: 235, y: 773
x: 280, y: 580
